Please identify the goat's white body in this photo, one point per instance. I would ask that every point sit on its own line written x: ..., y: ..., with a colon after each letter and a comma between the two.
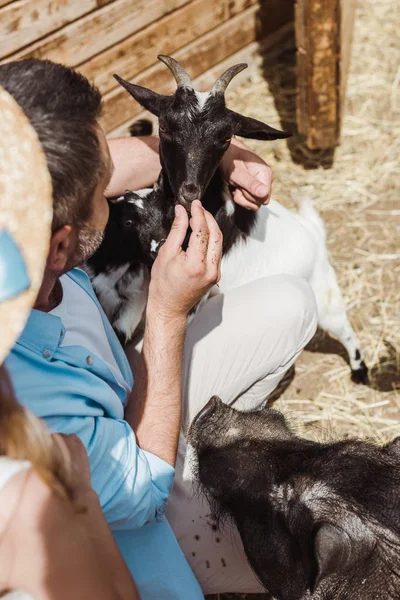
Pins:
x: 281, y: 242
x: 293, y: 243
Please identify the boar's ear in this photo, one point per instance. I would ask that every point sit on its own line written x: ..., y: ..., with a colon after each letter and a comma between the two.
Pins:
x: 256, y: 130
x: 150, y: 100
x: 337, y: 551
x: 393, y: 447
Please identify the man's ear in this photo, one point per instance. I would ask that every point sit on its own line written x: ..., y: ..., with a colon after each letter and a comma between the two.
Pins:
x: 256, y: 130
x: 61, y: 245
x: 147, y: 98
x: 337, y: 551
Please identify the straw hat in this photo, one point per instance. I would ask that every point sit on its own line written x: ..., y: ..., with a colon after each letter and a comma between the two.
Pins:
x: 25, y: 219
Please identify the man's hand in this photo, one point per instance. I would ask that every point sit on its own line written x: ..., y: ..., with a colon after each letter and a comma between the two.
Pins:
x: 179, y: 279
x: 249, y: 174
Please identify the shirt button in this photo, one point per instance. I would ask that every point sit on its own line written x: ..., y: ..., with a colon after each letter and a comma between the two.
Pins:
x: 46, y: 353
x: 89, y: 360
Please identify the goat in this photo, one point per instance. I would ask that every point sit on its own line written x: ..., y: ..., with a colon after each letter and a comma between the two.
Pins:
x: 195, y: 131
x: 139, y: 223
x: 317, y: 521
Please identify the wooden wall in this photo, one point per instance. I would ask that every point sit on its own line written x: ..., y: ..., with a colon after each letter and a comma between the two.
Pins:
x: 102, y: 37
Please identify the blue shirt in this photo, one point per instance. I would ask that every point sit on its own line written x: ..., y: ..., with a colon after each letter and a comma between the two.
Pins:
x: 75, y: 391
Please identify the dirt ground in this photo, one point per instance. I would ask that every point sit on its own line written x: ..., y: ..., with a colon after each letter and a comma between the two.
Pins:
x: 356, y: 190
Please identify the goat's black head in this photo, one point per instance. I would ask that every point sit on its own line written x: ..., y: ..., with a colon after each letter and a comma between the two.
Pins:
x: 318, y: 521
x: 144, y: 220
x: 196, y: 129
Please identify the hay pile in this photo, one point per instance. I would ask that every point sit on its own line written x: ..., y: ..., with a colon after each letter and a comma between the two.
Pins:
x: 355, y: 192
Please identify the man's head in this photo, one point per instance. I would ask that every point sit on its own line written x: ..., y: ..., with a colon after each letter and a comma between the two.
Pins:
x: 64, y: 108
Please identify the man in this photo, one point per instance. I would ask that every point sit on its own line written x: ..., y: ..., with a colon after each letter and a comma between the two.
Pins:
x: 69, y: 368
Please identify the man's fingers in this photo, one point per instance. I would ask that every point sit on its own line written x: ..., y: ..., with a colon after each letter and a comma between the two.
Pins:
x: 214, y: 252
x: 256, y: 187
x: 198, y: 242
x: 176, y: 236
x: 246, y: 202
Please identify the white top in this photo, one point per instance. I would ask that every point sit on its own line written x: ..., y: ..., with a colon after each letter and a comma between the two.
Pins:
x: 10, y: 467
x: 84, y: 325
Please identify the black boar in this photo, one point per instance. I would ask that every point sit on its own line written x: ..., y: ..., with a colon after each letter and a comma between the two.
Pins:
x: 318, y: 521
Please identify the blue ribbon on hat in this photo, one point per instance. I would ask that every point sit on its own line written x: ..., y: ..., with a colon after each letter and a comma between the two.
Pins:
x: 14, y: 277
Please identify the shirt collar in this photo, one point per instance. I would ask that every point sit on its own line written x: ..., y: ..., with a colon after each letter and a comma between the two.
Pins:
x: 43, y: 333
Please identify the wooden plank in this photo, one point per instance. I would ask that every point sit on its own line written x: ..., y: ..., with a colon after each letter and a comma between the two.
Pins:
x: 23, y: 21
x: 199, y: 56
x: 253, y: 55
x: 317, y: 60
x: 95, y: 32
x: 166, y: 36
x: 347, y: 13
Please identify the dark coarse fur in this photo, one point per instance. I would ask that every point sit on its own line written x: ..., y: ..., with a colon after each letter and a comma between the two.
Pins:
x: 130, y: 230
x: 318, y: 521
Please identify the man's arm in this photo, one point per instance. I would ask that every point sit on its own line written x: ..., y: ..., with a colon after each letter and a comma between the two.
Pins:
x: 178, y: 280
x: 136, y: 162
x: 137, y: 165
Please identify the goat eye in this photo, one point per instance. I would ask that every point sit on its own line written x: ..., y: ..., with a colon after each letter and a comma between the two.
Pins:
x: 163, y: 129
x: 128, y: 223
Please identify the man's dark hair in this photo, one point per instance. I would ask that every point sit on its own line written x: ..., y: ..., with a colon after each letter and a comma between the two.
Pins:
x: 63, y: 108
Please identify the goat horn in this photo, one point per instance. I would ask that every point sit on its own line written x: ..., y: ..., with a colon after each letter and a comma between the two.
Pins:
x: 224, y: 80
x: 182, y: 78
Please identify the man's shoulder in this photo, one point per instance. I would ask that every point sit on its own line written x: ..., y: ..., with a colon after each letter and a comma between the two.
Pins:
x: 79, y: 275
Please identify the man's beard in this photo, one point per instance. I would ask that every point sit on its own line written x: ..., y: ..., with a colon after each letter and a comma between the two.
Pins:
x: 89, y: 240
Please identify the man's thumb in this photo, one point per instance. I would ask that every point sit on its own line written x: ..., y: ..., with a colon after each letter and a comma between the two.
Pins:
x: 179, y: 228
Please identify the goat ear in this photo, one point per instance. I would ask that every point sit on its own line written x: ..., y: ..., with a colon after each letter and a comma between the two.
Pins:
x: 393, y: 447
x: 251, y: 128
x: 337, y: 550
x: 147, y: 98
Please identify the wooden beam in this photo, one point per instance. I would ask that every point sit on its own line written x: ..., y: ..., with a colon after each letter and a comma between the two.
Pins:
x: 199, y: 56
x: 317, y: 35
x: 139, y: 52
x: 24, y: 21
x: 92, y: 34
x: 324, y: 32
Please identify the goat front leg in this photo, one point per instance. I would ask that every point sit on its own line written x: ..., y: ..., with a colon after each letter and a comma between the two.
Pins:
x: 133, y: 288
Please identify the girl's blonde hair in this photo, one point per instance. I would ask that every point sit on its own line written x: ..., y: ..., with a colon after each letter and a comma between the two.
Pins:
x: 23, y: 436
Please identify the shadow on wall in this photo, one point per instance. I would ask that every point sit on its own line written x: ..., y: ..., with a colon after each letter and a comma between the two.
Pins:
x: 279, y: 70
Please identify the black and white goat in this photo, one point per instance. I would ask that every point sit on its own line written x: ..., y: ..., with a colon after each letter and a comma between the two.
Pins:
x: 195, y: 131
x: 138, y: 224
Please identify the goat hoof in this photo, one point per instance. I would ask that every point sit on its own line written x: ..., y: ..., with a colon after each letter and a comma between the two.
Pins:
x: 360, y: 375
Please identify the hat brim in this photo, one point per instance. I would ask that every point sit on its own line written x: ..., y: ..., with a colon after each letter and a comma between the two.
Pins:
x: 25, y: 214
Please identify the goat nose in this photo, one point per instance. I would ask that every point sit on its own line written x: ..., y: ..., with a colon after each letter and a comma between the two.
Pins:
x: 207, y: 411
x: 190, y: 192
